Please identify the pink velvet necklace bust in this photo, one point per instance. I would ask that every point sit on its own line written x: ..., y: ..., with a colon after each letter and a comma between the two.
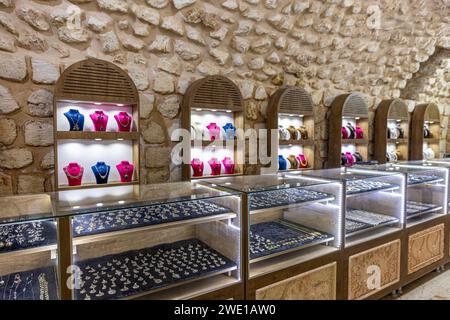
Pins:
x: 100, y: 120
x: 228, y: 164
x: 126, y: 170
x: 123, y: 121
x: 215, y: 165
x: 74, y: 173
x: 197, y: 166
x: 214, y: 131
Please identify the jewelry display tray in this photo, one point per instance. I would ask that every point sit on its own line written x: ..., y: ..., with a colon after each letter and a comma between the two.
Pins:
x: 280, y: 232
x: 112, y: 221
x: 130, y: 273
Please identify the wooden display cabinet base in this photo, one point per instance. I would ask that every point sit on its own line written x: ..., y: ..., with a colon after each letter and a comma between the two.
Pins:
x: 372, y: 269
x: 235, y: 292
x: 426, y: 249
x: 315, y: 279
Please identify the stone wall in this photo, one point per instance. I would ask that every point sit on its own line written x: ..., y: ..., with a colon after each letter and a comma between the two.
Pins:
x: 329, y: 47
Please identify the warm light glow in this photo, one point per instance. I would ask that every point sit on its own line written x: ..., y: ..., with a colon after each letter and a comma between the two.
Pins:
x: 120, y: 139
x: 214, y: 110
x: 99, y: 204
x: 228, y: 111
x: 291, y: 115
x: 357, y: 118
x: 76, y: 207
x: 120, y: 105
x: 97, y: 103
x: 98, y: 139
x: 121, y: 202
x: 301, y: 116
x: 198, y: 109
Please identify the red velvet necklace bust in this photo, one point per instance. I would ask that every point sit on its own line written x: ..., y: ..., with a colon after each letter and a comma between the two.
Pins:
x: 123, y: 121
x: 100, y: 120
x: 215, y: 165
x: 126, y: 170
x: 74, y: 173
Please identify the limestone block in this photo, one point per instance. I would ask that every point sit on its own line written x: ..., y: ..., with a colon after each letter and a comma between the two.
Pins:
x: 38, y: 133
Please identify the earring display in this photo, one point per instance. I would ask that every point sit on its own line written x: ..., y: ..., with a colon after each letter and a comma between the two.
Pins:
x: 133, y: 272
x: 76, y: 120
x: 214, y: 131
x: 229, y: 165
x: 126, y: 170
x: 100, y: 120
x: 230, y: 131
x: 39, y: 284
x: 124, y: 121
x: 272, y: 237
x: 27, y: 235
x: 360, y: 186
x: 197, y: 166
x: 115, y: 220
x: 74, y: 173
x: 282, y: 164
x: 416, y: 179
x: 414, y: 209
x: 371, y: 218
x: 278, y: 198
x: 101, y: 172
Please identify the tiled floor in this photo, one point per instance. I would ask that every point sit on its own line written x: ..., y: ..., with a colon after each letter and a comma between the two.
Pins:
x: 434, y: 286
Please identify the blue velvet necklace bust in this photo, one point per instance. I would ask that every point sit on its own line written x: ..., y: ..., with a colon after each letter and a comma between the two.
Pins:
x: 76, y: 120
x: 101, y: 172
x: 282, y: 164
x: 230, y: 131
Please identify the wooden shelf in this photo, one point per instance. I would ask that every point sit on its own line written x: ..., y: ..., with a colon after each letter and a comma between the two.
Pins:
x: 208, y: 143
x: 218, y: 176
x: 355, y: 141
x: 92, y: 135
x: 403, y: 140
x: 94, y: 185
x: 307, y: 142
x: 431, y: 140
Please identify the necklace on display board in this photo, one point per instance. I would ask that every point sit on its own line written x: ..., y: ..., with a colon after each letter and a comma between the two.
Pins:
x: 127, y: 118
x: 105, y: 175
x: 72, y: 121
x: 79, y: 175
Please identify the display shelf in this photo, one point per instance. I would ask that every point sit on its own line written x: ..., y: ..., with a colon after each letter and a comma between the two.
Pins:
x: 417, y: 180
x: 88, y: 87
x: 89, y: 135
x: 207, y: 101
x: 293, y: 205
x: 347, y: 108
x: 291, y: 107
x: 306, y: 142
x: 416, y: 214
x: 92, y: 185
x: 215, y: 143
x: 368, y: 191
x: 425, y: 115
x: 391, y: 117
x: 217, y: 176
x: 369, y: 229
x: 355, y: 141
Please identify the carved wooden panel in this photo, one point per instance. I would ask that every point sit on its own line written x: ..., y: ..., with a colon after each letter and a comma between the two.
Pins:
x: 317, y: 284
x: 425, y: 247
x: 373, y: 270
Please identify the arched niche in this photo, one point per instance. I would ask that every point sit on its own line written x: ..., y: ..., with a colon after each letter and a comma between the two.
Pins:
x: 391, y: 113
x: 425, y: 115
x: 211, y: 99
x: 347, y: 108
x: 90, y: 85
x: 292, y: 106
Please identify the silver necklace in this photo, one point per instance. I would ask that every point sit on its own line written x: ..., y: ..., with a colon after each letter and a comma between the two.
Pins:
x: 75, y: 126
x: 100, y: 175
x: 72, y: 176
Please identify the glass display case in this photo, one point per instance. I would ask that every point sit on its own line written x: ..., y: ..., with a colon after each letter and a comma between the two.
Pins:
x: 28, y: 250
x: 147, y: 241
x: 427, y: 190
x: 373, y: 201
x: 121, y: 242
x: 290, y: 220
